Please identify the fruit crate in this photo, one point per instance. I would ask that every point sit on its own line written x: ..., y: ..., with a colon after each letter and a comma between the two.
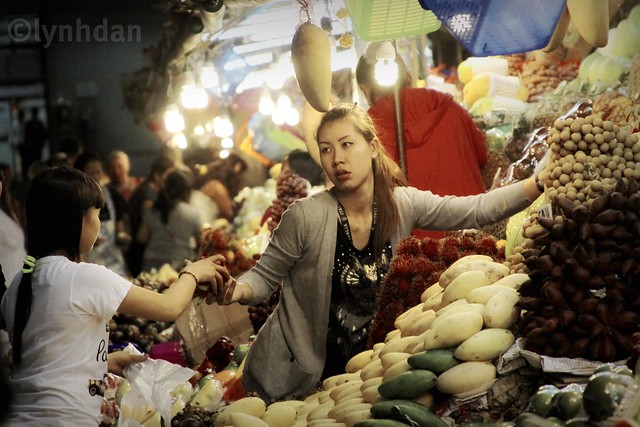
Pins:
x: 498, y: 27
x: 377, y: 20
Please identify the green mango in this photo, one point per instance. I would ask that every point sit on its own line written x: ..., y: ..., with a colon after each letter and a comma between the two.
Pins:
x: 542, y: 401
x: 529, y: 419
x: 567, y: 403
x: 612, y: 367
x: 579, y: 422
x: 604, y: 393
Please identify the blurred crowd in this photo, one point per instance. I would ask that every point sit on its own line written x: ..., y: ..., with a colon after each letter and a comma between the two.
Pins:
x: 147, y: 221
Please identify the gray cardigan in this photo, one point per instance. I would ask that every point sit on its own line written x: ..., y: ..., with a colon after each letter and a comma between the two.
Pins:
x: 287, y: 358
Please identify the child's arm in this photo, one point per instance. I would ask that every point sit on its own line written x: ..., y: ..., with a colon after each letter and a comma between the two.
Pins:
x: 168, y: 306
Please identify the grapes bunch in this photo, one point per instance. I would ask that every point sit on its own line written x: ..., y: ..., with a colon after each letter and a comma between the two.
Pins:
x: 259, y: 313
x: 289, y: 187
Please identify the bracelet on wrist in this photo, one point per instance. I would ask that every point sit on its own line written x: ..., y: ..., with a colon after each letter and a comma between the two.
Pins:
x: 539, y: 185
x: 190, y: 274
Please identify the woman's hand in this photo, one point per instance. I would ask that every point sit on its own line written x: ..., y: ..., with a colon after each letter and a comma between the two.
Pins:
x: 235, y: 292
x: 119, y: 360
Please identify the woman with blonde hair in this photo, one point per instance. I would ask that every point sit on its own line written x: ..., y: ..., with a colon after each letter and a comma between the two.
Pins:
x: 332, y: 250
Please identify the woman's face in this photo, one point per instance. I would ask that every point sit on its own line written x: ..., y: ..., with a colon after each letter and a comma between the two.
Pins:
x: 345, y: 155
x: 90, y: 230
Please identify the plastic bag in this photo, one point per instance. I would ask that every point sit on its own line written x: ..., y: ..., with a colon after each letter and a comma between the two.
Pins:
x: 154, y: 380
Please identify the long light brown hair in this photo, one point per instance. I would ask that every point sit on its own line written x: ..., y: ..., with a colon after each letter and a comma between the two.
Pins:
x: 386, y: 173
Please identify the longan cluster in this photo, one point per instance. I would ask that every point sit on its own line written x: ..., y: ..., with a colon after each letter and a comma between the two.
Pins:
x: 591, y: 155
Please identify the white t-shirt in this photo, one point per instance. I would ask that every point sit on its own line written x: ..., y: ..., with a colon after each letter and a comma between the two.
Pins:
x: 65, y: 342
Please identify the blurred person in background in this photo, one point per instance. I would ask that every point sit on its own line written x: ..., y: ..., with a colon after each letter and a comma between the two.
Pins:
x: 5, y: 390
x: 119, y: 172
x: 12, y: 236
x: 302, y: 163
x: 142, y: 199
x: 35, y: 136
x: 211, y: 196
x: 171, y: 229
x: 69, y: 149
x: 445, y: 150
x: 107, y: 249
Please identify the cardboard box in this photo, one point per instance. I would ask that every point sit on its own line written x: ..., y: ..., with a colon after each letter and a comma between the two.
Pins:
x: 201, y: 325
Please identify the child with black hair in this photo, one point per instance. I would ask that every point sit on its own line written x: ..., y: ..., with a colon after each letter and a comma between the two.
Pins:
x: 57, y: 310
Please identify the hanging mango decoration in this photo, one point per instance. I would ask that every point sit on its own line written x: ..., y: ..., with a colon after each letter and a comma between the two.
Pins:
x: 311, y: 57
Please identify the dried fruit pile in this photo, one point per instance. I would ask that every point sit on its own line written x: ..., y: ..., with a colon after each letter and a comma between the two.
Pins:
x: 582, y: 299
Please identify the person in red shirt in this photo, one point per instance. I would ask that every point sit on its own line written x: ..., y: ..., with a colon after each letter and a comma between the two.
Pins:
x: 445, y: 150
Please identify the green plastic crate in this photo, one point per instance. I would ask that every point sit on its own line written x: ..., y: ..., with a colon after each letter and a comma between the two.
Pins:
x: 377, y: 20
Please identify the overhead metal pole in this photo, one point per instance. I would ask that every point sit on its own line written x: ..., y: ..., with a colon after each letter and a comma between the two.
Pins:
x: 397, y: 107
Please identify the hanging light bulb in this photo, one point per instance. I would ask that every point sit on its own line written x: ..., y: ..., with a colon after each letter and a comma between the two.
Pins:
x: 386, y: 68
x: 179, y: 140
x: 192, y: 95
x: 266, y: 104
x: 279, y: 117
x: 209, y: 77
x: 173, y: 120
x: 199, y: 130
x: 222, y: 126
x: 293, y: 117
x: 226, y: 142
x: 224, y: 154
x: 283, y: 103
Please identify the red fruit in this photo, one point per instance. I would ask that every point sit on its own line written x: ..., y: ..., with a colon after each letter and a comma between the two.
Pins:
x: 206, y: 367
x: 221, y: 353
x: 235, y: 390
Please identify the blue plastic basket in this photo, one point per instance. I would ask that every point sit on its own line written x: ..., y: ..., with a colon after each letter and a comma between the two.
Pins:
x: 498, y: 27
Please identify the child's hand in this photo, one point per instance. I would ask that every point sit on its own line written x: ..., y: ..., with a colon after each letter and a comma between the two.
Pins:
x: 212, y: 274
x: 119, y: 360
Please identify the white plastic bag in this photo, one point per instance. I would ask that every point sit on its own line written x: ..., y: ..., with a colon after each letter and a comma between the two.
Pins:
x: 154, y: 380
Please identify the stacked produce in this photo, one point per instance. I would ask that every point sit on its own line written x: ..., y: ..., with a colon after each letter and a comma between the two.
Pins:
x: 608, y: 65
x: 143, y: 333
x: 614, y: 105
x: 289, y: 187
x: 446, y: 345
x: 600, y: 400
x: 581, y: 300
x: 416, y: 265
x: 218, y: 241
x: 252, y: 203
x: 540, y: 74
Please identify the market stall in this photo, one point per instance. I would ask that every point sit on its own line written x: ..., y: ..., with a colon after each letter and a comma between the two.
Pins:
x: 532, y: 322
